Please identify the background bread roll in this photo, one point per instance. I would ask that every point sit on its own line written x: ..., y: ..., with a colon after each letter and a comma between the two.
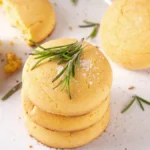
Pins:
x: 125, y: 33
x: 35, y: 18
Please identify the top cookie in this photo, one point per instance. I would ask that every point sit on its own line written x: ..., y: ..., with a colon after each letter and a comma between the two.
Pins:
x: 92, y: 85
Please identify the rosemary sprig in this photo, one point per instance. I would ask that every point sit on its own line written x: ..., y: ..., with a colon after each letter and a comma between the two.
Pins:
x: 68, y: 54
x: 139, y: 100
x: 74, y: 1
x: 91, y: 24
x: 12, y: 91
x: 129, y: 105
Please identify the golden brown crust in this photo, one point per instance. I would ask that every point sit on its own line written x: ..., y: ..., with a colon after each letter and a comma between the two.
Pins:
x: 66, y: 139
x: 62, y: 123
x: 125, y: 37
x: 35, y: 24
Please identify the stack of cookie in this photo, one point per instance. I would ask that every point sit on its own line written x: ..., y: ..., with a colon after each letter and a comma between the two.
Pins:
x: 50, y: 116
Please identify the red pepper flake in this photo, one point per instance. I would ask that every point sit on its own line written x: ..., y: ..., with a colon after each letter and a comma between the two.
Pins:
x: 55, y: 4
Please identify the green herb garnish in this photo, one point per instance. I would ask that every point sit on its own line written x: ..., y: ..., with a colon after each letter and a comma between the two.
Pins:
x: 65, y: 54
x: 12, y: 91
x: 91, y: 24
x: 74, y: 1
x: 139, y: 100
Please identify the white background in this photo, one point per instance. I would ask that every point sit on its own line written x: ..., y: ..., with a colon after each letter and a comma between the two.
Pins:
x: 129, y: 131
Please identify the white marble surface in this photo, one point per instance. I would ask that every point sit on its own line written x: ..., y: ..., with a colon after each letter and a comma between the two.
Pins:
x: 130, y: 131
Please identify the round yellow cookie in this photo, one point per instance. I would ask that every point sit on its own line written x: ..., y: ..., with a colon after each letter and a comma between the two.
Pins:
x: 35, y: 18
x: 61, y: 123
x: 125, y: 33
x: 66, y: 139
x: 92, y: 85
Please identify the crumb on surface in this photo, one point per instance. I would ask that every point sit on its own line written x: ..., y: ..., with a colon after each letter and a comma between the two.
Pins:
x: 17, y: 81
x: 131, y: 87
x: 55, y: 4
x: 2, y: 60
x: 12, y: 43
x: 30, y: 146
x: 13, y: 63
x: 19, y: 118
x: 70, y: 28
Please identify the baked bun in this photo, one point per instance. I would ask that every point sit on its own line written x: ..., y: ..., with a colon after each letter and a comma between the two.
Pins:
x: 125, y: 33
x: 92, y: 86
x: 66, y: 139
x: 62, y: 123
x: 34, y: 18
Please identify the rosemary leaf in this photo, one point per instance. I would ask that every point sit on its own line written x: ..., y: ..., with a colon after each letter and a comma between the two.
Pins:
x: 62, y: 62
x: 36, y: 44
x: 68, y: 54
x: 91, y: 24
x: 143, y: 100
x: 88, y: 22
x: 60, y: 74
x: 64, y: 85
x: 12, y: 91
x: 74, y: 1
x: 40, y: 60
x: 68, y: 78
x: 94, y: 32
x: 87, y: 26
x: 141, y: 105
x: 62, y: 81
x: 129, y: 105
x: 73, y: 70
x: 55, y: 58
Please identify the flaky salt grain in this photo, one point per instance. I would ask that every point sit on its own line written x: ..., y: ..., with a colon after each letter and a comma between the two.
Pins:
x: 59, y: 69
x: 86, y: 64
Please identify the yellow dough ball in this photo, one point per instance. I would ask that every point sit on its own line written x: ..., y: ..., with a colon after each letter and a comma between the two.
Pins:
x: 92, y: 85
x: 125, y: 33
x: 66, y: 139
x: 62, y: 123
x: 35, y: 18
